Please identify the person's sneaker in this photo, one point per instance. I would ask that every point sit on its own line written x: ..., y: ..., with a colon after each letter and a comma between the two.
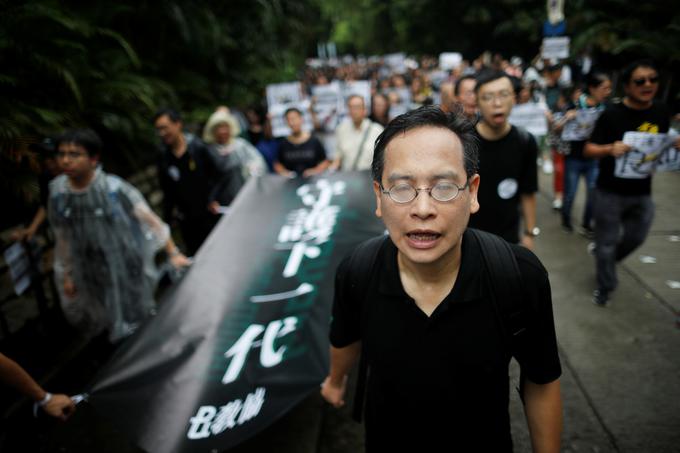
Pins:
x: 586, y: 232
x: 557, y: 204
x: 591, y: 248
x: 566, y: 227
x: 600, y: 298
x: 547, y: 167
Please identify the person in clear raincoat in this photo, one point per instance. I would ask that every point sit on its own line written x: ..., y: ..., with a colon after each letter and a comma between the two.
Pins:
x: 238, y: 159
x: 106, y: 240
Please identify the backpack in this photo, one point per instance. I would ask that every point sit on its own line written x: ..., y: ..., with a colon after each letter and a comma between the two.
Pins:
x: 503, y: 277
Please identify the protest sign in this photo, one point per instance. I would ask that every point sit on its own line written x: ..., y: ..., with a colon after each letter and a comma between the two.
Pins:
x: 19, y: 266
x: 243, y: 338
x: 582, y: 126
x: 284, y: 93
x: 450, y: 60
x: 555, y: 47
x: 280, y: 127
x: 396, y: 62
x: 281, y: 97
x: 327, y: 105
x: 530, y: 116
x: 650, y: 153
x: 359, y: 88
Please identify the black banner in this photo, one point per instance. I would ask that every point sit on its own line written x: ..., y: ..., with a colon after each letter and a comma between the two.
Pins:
x: 244, y: 337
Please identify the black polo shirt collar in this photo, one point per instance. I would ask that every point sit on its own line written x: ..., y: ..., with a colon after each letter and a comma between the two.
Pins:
x: 468, y: 282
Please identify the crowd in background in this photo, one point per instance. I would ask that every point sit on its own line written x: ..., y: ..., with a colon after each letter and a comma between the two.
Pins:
x: 201, y: 172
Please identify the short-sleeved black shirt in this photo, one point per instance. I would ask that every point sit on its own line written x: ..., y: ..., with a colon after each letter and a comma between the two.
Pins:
x: 298, y: 157
x: 610, y: 127
x: 507, y: 168
x: 442, y: 380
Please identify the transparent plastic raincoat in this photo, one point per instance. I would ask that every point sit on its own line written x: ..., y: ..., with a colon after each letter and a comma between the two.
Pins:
x: 106, y: 240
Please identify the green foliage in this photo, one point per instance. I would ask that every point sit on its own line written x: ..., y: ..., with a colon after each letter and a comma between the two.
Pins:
x: 110, y: 66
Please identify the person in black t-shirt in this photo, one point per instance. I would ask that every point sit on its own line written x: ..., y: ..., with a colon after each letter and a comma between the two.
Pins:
x: 623, y: 208
x: 438, y: 364
x: 300, y: 153
x: 188, y: 173
x: 507, y: 165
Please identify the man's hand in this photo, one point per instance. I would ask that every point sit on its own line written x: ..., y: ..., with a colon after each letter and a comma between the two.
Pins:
x: 676, y: 144
x: 69, y: 287
x: 214, y: 207
x: 179, y: 261
x: 619, y: 148
x: 333, y: 393
x: 60, y: 406
x: 570, y: 115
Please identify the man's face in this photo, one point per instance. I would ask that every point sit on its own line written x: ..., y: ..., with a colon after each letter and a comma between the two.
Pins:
x: 168, y: 131
x: 356, y: 108
x: 643, y: 85
x: 446, y: 89
x: 294, y: 120
x: 495, y: 100
x: 424, y: 230
x: 466, y: 96
x: 74, y: 161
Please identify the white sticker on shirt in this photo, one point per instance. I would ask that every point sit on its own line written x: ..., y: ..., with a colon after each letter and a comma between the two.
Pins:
x: 173, y: 172
x: 507, y: 188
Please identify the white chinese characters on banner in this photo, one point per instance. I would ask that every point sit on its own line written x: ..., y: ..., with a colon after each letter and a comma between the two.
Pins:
x: 582, y: 126
x: 211, y: 420
x: 650, y: 153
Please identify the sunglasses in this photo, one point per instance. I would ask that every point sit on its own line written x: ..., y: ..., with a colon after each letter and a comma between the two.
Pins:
x: 640, y: 82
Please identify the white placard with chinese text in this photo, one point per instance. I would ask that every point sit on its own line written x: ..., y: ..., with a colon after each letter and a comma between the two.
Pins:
x: 530, y: 116
x: 650, y: 153
x: 582, y: 126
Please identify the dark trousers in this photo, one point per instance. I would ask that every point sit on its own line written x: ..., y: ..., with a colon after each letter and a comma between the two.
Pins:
x: 195, y: 230
x: 621, y: 225
x: 574, y: 168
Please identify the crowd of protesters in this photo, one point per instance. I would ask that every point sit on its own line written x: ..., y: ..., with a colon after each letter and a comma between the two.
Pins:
x: 106, y: 235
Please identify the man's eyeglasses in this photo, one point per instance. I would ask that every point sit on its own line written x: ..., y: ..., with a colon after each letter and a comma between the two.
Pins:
x: 501, y: 95
x: 406, y: 193
x: 73, y: 155
x: 643, y: 80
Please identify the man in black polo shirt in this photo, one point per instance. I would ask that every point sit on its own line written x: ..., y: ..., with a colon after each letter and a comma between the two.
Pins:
x: 188, y: 173
x: 438, y: 362
x: 622, y: 207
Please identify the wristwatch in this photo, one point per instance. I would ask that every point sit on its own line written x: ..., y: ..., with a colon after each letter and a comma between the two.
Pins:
x: 535, y: 231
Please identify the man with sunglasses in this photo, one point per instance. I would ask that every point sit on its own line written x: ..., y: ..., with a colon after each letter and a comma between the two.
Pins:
x: 424, y: 319
x: 623, y: 209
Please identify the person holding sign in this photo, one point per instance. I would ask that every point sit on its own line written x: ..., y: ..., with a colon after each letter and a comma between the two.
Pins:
x: 623, y: 207
x: 355, y: 137
x: 300, y: 153
x: 418, y: 307
x: 581, y: 118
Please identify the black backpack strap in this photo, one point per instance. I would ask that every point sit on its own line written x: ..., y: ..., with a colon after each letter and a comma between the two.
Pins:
x: 361, y: 264
x: 505, y: 283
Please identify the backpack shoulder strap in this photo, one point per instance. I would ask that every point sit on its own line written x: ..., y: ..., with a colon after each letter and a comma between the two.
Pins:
x: 505, y: 282
x: 361, y: 264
